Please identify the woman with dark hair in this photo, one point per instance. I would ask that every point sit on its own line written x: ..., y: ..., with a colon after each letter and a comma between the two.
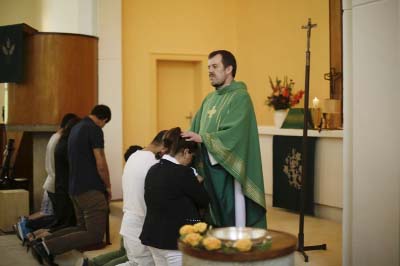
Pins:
x: 64, y: 209
x: 173, y: 197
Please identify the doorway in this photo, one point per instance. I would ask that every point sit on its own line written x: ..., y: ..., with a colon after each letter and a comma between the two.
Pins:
x: 178, y: 91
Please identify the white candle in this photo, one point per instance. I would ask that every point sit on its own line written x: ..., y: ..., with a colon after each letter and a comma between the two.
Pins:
x: 315, y: 102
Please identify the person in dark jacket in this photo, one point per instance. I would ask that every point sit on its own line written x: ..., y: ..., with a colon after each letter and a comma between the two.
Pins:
x: 173, y: 195
x: 64, y: 209
x: 64, y: 214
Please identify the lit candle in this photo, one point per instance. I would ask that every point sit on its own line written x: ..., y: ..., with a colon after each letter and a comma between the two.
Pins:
x: 315, y: 102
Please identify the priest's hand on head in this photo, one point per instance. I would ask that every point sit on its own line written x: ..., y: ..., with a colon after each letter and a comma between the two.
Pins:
x: 191, y: 136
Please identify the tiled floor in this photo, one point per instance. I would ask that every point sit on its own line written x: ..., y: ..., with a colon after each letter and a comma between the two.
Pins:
x: 316, y: 232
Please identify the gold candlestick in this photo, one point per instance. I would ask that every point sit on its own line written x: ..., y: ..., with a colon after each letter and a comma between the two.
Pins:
x: 316, y: 117
x: 332, y: 114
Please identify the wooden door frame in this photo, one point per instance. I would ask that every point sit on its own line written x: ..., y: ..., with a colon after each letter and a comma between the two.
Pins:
x: 336, y: 45
x: 201, y: 60
x: 336, y: 48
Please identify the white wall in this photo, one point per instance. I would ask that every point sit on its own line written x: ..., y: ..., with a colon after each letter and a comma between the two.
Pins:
x: 347, y: 134
x: 110, y: 85
x: 372, y: 203
x: 72, y: 16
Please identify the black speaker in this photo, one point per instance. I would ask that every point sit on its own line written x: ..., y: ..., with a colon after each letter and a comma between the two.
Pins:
x: 12, y: 52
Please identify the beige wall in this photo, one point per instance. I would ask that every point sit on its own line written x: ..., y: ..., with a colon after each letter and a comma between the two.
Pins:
x: 265, y: 36
x: 272, y: 43
x: 166, y: 27
x: 21, y: 11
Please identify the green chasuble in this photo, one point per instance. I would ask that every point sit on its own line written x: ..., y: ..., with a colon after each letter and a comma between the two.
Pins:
x: 227, y: 124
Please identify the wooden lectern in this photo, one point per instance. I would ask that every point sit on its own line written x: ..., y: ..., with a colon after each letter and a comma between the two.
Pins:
x: 60, y: 76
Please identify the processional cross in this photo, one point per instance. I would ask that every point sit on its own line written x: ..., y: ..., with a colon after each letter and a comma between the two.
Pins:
x: 300, y: 247
x: 308, y: 27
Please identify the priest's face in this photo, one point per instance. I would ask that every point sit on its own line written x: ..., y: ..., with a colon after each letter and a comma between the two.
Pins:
x: 218, y: 74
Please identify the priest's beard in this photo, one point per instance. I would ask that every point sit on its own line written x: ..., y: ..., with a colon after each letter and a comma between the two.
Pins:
x: 218, y: 82
x: 219, y: 85
x: 216, y: 86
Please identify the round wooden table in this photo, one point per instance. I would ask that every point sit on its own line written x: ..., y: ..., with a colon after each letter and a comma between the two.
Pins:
x: 281, y: 253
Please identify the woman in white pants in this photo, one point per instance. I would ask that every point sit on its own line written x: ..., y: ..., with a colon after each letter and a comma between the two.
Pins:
x: 173, y: 196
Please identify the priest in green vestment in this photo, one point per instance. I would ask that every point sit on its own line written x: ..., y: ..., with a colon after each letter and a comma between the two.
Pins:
x: 230, y: 160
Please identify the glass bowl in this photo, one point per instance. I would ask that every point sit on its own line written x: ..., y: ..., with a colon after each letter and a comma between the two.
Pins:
x: 231, y: 234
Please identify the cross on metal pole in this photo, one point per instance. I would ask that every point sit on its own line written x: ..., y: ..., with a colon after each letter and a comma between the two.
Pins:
x: 300, y: 247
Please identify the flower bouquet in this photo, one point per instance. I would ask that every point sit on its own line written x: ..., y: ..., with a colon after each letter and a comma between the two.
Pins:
x: 282, y: 96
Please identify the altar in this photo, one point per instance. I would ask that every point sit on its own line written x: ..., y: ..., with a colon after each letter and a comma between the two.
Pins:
x: 328, y: 172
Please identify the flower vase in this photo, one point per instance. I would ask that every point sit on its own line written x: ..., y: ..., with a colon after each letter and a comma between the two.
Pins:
x: 279, y: 117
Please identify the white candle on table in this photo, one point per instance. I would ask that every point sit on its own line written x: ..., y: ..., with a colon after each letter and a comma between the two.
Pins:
x: 315, y: 102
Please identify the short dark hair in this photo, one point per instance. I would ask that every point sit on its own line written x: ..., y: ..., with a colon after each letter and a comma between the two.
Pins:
x: 228, y: 59
x: 66, y: 118
x: 158, y: 139
x: 102, y: 112
x: 132, y: 149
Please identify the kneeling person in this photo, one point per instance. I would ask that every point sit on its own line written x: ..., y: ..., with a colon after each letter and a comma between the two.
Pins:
x: 173, y: 196
x: 134, y: 207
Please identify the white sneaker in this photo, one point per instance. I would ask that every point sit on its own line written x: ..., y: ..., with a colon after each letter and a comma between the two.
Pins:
x: 19, y: 231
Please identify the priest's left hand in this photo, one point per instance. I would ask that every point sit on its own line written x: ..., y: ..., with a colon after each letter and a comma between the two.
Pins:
x: 191, y: 136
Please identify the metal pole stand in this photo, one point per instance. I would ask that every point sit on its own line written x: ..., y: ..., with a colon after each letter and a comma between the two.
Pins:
x: 300, y: 247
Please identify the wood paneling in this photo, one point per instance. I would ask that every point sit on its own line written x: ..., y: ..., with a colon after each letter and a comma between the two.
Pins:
x: 61, y: 77
x: 336, y: 45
